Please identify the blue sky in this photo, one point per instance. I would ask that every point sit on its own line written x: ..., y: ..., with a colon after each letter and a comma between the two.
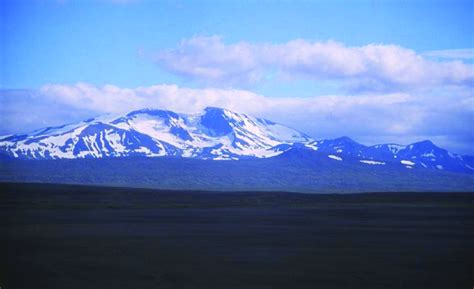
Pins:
x: 99, y: 41
x: 288, y: 52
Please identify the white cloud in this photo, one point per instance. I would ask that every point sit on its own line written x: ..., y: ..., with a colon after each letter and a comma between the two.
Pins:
x: 110, y: 98
x: 209, y: 59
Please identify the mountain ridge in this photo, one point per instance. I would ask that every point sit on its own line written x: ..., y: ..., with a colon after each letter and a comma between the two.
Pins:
x: 215, y: 134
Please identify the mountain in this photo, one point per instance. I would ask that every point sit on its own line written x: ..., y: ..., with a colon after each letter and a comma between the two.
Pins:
x: 215, y: 134
x: 424, y: 154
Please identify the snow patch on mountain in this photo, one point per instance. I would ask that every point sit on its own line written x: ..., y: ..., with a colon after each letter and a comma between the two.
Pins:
x: 372, y: 162
x: 335, y: 157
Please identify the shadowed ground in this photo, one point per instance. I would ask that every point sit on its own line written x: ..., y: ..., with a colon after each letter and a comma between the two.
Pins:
x: 58, y: 236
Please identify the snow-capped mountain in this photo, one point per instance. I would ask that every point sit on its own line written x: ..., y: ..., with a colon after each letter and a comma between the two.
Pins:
x: 216, y: 134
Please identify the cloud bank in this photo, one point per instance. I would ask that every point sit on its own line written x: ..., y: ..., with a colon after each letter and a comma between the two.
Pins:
x: 375, y: 66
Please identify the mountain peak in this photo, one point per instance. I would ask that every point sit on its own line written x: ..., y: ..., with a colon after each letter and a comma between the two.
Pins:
x: 153, y: 112
x: 216, y: 121
x: 344, y: 139
x: 424, y: 143
x: 424, y: 146
x: 214, y: 108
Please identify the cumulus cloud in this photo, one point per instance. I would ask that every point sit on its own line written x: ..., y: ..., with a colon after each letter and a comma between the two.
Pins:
x: 382, y: 67
x: 371, y: 118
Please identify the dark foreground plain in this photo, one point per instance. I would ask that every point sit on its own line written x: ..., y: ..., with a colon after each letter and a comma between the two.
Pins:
x: 60, y: 236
